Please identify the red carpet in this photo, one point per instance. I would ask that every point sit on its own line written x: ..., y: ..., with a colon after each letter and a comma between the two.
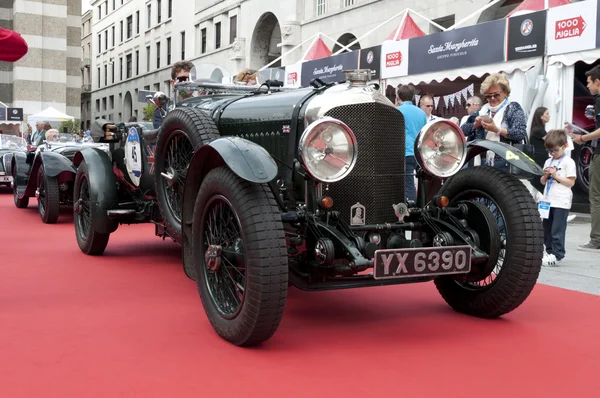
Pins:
x: 130, y: 324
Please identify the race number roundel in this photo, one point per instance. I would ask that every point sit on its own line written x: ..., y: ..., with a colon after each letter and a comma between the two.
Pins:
x: 133, y: 156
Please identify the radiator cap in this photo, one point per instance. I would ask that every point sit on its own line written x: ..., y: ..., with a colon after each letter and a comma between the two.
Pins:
x: 358, y: 77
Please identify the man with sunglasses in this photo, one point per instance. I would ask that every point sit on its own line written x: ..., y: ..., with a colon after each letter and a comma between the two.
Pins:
x: 426, y: 104
x: 593, y: 84
x: 180, y: 72
x: 473, y: 106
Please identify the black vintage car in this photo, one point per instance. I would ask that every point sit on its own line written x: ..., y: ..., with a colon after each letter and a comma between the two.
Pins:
x: 305, y: 187
x: 9, y: 144
x: 47, y: 173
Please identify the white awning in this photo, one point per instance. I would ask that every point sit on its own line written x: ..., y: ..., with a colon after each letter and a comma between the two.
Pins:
x: 589, y: 57
x: 478, y: 71
x: 50, y: 114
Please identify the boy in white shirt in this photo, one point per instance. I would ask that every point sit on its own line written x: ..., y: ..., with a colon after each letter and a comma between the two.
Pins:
x: 559, y: 177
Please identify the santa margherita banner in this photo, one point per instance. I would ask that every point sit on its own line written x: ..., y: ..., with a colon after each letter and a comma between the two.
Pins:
x: 571, y: 27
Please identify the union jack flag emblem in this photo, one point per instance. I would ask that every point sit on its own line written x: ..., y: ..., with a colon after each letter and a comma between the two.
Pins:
x: 150, y: 157
x: 286, y: 129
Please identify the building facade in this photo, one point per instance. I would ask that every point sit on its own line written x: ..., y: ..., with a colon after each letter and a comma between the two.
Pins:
x: 49, y: 75
x: 134, y: 43
x: 86, y: 74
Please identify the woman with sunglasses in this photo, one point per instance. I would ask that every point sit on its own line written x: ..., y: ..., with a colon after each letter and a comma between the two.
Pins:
x: 500, y: 119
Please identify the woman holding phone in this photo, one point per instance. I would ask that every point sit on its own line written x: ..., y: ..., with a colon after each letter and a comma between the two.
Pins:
x: 500, y: 119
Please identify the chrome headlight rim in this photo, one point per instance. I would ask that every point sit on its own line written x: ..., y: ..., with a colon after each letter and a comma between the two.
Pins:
x: 307, y: 133
x: 419, y: 143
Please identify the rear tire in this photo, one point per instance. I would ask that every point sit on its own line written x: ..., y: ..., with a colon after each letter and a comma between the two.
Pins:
x: 89, y: 240
x: 49, y: 198
x: 254, y: 263
x: 522, y: 233
x: 182, y: 133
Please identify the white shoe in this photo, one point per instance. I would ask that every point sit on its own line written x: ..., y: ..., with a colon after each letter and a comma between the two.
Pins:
x: 571, y: 217
x: 549, y: 261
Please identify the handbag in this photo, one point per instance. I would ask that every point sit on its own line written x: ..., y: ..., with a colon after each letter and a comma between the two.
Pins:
x: 529, y: 150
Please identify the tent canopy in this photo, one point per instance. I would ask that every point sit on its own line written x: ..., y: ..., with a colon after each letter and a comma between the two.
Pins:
x: 50, y: 114
x: 317, y: 50
x: 407, y: 29
x: 537, y: 5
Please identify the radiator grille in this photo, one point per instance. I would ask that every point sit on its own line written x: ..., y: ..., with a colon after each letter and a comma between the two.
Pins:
x: 377, y: 180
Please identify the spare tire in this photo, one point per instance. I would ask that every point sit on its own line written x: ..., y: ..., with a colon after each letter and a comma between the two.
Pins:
x: 182, y: 133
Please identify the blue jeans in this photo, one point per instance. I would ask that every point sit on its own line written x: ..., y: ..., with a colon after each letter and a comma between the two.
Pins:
x: 555, y: 229
x: 498, y: 163
x: 411, y: 191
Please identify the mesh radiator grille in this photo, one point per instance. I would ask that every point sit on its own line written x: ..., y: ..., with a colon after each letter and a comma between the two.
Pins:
x: 377, y: 180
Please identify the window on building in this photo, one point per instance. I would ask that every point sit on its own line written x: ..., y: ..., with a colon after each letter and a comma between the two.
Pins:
x: 98, y: 105
x: 113, y: 35
x: 106, y: 7
x: 158, y: 11
x: 106, y: 39
x: 121, y: 69
x: 99, y: 43
x: 129, y: 26
x: 111, y: 102
x: 100, y: 12
x: 156, y: 86
x: 129, y: 63
x: 112, y: 67
x: 170, y: 9
x: 158, y: 55
x: 218, y: 35
x: 103, y: 104
x: 137, y: 22
x: 203, y: 40
x: 137, y: 62
x: 182, y: 46
x: 149, y: 9
x: 349, y: 3
x: 445, y: 22
x: 169, y: 51
x: 320, y: 7
x: 232, y: 29
x: 148, y: 59
x: 121, y: 31
x: 106, y: 75
x: 114, y: 4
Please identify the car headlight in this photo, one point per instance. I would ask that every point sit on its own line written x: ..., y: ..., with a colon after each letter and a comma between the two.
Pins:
x: 328, y: 150
x: 441, y: 148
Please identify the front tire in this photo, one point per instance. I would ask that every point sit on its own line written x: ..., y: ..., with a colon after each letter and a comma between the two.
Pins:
x: 240, y: 257
x: 20, y: 203
x: 89, y: 240
x: 519, y: 264
x: 49, y: 198
x: 183, y: 132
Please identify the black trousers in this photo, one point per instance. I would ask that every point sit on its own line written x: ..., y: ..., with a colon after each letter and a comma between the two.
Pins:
x: 555, y: 229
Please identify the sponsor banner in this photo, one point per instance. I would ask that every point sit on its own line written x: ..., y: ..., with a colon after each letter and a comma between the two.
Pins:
x: 571, y: 27
x: 292, y: 75
x: 14, y: 114
x: 394, y: 58
x: 370, y: 58
x: 330, y: 69
x: 475, y: 45
x: 526, y: 36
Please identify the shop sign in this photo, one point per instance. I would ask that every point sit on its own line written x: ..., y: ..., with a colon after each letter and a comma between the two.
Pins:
x: 526, y: 36
x: 394, y: 58
x: 330, y: 69
x: 571, y: 27
x: 370, y: 58
x: 475, y: 45
x: 14, y: 114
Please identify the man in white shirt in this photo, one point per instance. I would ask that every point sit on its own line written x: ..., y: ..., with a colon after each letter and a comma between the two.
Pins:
x: 426, y: 104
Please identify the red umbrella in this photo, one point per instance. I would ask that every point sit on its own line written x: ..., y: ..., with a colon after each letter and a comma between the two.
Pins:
x: 406, y: 30
x: 12, y: 46
x: 318, y: 50
x: 537, y: 5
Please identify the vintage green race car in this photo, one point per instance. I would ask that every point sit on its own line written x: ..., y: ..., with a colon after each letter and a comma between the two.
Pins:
x: 268, y: 188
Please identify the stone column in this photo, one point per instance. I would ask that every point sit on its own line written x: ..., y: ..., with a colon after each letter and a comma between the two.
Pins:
x: 290, y: 37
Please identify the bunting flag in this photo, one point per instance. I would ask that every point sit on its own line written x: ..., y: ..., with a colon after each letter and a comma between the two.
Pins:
x: 471, y: 89
x: 452, y: 98
x: 458, y: 98
x: 446, y: 100
x: 436, y: 101
x: 417, y: 99
x: 465, y: 93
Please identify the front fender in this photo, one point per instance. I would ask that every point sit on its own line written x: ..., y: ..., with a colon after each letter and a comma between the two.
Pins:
x: 507, y: 152
x: 246, y: 159
x: 55, y: 163
x: 103, y: 187
x: 7, y: 163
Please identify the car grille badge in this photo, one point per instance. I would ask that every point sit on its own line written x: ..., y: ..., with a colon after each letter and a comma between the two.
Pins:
x: 357, y: 214
x: 401, y: 211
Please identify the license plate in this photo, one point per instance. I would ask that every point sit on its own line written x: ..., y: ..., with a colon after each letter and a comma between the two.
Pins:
x: 422, y: 261
x: 5, y: 178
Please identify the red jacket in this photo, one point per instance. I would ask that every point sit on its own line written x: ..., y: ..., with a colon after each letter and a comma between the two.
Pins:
x: 12, y: 46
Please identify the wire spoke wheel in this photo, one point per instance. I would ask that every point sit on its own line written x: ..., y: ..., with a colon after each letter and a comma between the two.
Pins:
x: 178, y: 156
x: 583, y: 165
x: 225, y: 266
x: 83, y: 215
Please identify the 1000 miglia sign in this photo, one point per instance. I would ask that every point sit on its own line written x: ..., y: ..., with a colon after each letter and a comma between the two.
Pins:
x: 566, y: 28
